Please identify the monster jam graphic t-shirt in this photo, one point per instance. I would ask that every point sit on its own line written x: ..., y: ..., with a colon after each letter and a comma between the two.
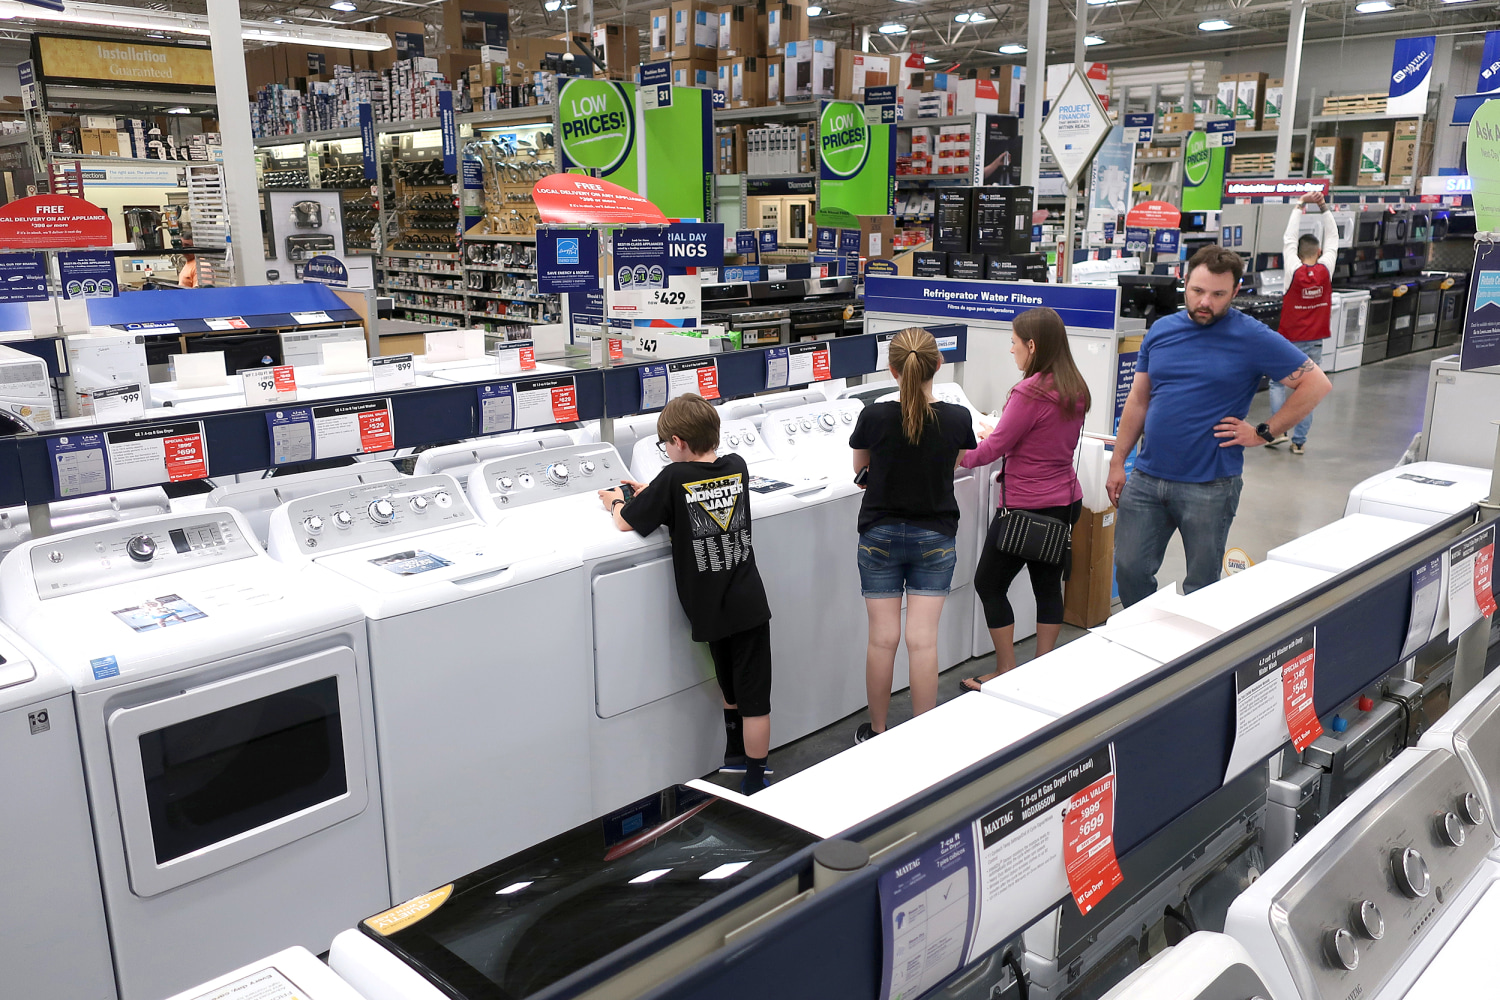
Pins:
x: 706, y: 508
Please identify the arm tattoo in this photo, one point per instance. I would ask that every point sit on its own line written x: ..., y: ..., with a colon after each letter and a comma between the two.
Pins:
x: 1296, y: 376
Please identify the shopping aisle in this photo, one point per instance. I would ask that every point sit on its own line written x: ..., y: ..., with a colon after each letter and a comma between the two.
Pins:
x: 1363, y: 427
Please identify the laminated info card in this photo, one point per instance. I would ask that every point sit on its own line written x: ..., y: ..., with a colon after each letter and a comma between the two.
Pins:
x: 662, y: 382
x: 78, y: 468
x: 1426, y: 597
x: 949, y: 905
x: 1470, y: 581
x: 800, y: 364
x: 1273, y: 702
x: 305, y: 433
x: 497, y: 412
x: 149, y: 456
x: 540, y: 402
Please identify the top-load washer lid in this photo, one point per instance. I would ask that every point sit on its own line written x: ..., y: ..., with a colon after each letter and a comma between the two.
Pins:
x: 1347, y: 542
x: 1071, y: 676
x: 522, y: 924
x: 1465, y: 959
x: 458, y: 459
x: 84, y: 512
x: 293, y: 974
x: 122, y: 602
x: 1470, y: 729
x: 478, y: 369
x: 1204, y: 966
x: 1359, y: 905
x: 25, y: 679
x: 1425, y: 492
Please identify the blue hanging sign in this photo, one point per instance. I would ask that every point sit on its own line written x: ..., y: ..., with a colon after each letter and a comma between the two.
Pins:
x: 766, y: 240
x: 828, y: 239
x: 449, y: 126
x: 849, y: 242
x: 1137, y: 238
x: 671, y: 249
x: 1411, y: 75
x: 1489, y: 63
x: 367, y: 140
x: 1166, y: 241
x: 23, y: 277
x: 1139, y: 128
x: 744, y: 242
x: 720, y: 99
x: 88, y: 274
x: 325, y: 269
x: 1481, y: 336
x: 653, y: 74
x: 990, y: 301
x: 567, y: 260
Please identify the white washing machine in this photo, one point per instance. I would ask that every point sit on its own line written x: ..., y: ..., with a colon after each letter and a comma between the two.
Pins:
x: 482, y: 369
x: 48, y: 867
x: 255, y: 499
x: 293, y: 974
x: 1425, y: 492
x: 458, y: 460
x: 224, y: 715
x: 84, y: 512
x: 479, y: 673
x: 1203, y: 966
x: 1347, y: 542
x: 1391, y: 896
x: 656, y: 713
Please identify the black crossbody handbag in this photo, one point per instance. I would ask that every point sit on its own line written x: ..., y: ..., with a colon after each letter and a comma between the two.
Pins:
x: 1031, y: 536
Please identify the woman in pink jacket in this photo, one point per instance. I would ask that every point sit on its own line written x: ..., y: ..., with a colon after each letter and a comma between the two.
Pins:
x: 1037, y: 436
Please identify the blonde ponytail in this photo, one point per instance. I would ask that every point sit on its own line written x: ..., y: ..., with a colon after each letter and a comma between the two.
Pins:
x: 915, y: 356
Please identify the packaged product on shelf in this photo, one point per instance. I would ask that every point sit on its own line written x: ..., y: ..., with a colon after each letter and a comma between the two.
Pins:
x: 1249, y: 95
x: 859, y: 70
x: 694, y: 31
x: 1374, y: 155
x: 737, y: 35
x: 1228, y: 89
x: 743, y: 80
x: 694, y: 73
x: 775, y: 70
x: 809, y: 69
x: 621, y: 47
x: 1271, y: 107
x: 661, y: 33
x: 782, y: 23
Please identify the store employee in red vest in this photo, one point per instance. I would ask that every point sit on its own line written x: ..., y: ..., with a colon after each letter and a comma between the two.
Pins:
x: 1309, y: 298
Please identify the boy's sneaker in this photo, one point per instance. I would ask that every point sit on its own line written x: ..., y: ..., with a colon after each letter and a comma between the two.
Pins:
x: 1279, y: 439
x: 735, y: 764
x: 745, y: 788
x: 1297, y: 449
x: 865, y: 732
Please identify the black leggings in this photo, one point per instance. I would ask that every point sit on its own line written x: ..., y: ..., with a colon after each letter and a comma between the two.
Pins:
x: 997, y: 569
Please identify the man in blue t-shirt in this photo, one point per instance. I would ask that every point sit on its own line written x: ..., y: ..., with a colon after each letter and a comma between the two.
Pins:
x: 1197, y: 371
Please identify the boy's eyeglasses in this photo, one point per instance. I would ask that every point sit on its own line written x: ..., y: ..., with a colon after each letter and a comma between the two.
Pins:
x: 661, y: 446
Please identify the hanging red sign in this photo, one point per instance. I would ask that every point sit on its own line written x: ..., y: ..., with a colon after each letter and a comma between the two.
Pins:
x: 572, y: 198
x: 53, y: 221
x: 1154, y: 215
x: 1292, y: 187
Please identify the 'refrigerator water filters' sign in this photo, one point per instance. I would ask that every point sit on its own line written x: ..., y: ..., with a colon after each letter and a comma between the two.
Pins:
x: 1411, y: 75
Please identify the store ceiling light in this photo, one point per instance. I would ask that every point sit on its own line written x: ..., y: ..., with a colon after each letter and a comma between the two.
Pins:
x: 179, y: 111
x: 814, y: 10
x: 177, y: 23
x: 1374, y: 6
x: 1012, y: 50
x: 892, y: 28
x: 928, y: 60
x: 1093, y: 40
x: 975, y: 18
x: 1215, y: 25
x: 344, y: 5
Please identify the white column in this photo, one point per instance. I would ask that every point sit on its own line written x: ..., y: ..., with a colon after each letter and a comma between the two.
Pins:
x: 1297, y: 12
x: 239, y: 148
x: 1036, y: 83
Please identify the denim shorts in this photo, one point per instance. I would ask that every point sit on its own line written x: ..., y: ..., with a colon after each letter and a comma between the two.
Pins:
x: 897, y: 558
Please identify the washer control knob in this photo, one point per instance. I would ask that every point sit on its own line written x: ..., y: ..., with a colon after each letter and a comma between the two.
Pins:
x: 419, y: 504
x: 749, y: 437
x: 807, y: 423
x: 848, y: 417
x: 141, y: 548
x: 313, y: 524
x: 55, y: 556
x: 442, y: 499
x: 558, y: 473
x: 734, y: 440
x: 1342, y: 950
x: 826, y: 421
x: 1451, y: 830
x: 1411, y: 872
x: 1368, y: 921
x: 382, y: 511
x: 587, y: 468
x: 505, y: 483
x: 343, y: 519
x: 1471, y: 809
x: 790, y: 426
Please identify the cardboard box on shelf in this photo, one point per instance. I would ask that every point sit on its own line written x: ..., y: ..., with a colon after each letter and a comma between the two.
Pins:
x: 695, y: 73
x: 743, y: 80
x: 408, y: 39
x: 661, y: 33
x: 809, y: 68
x: 775, y: 71
x: 1270, y: 115
x: 1249, y: 95
x: 1331, y: 157
x: 621, y: 48
x: 1176, y: 121
x: 695, y: 31
x: 1374, y: 156
x: 1086, y: 598
x: 877, y: 236
x: 471, y: 24
x: 737, y: 31
x: 1009, y: 79
x: 857, y: 70
x: 780, y: 22
x: 1225, y: 94
x: 729, y: 149
x: 1405, y: 130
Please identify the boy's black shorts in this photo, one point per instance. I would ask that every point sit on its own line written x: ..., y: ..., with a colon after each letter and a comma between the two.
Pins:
x: 742, y: 662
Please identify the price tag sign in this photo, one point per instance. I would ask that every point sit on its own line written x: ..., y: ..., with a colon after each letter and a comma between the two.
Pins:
x: 118, y: 402
x: 515, y: 357
x: 808, y: 363
x: 353, y: 428
x: 393, y: 371
x: 616, y: 348
x: 1089, y: 844
x: 270, y: 386
x: 701, y: 377
x: 303, y: 318
x: 540, y: 402
x: 150, y: 456
x: 1296, y: 657
x: 1471, y: 593
x: 227, y: 323
x: 497, y: 413
x: 78, y: 468
x: 883, y: 351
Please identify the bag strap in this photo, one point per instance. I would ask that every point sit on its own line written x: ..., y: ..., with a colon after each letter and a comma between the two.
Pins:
x: 1003, y: 504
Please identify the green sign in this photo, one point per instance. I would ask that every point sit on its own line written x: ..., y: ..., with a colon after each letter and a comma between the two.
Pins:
x: 844, y: 139
x: 598, y: 126
x: 679, y: 155
x: 1484, y: 165
x: 856, y: 161
x: 1202, y: 174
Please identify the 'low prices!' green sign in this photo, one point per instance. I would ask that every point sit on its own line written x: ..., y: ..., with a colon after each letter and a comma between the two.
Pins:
x: 598, y: 128
x: 856, y: 161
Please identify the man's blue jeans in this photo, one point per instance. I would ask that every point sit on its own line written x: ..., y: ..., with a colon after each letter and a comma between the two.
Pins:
x: 1280, y: 393
x: 1151, y: 510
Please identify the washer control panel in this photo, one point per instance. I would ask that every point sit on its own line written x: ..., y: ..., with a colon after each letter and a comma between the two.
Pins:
x: 1476, y: 741
x: 1354, y: 912
x: 135, y: 550
x: 816, y: 430
x: 357, y: 515
x: 517, y: 480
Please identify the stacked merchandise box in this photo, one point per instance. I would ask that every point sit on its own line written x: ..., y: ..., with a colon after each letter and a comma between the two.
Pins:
x: 737, y: 32
x: 857, y: 70
x: 659, y: 32
x: 729, y: 149
x: 1374, y: 156
x: 1406, y: 161
x: 809, y: 68
x: 694, y: 73
x: 1225, y: 94
x: 1249, y: 96
x: 469, y: 25
x: 1331, y: 158
x: 620, y: 48
x: 743, y: 81
x: 779, y: 23
x: 923, y: 150
x: 1270, y: 117
x: 774, y: 76
x: 781, y: 149
x: 955, y: 149
x: 408, y: 40
x: 694, y: 31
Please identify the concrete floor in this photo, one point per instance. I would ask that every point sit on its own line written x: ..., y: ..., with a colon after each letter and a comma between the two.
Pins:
x: 1363, y: 427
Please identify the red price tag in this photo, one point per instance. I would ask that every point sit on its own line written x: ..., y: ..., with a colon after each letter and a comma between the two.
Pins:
x: 616, y: 348
x: 184, y: 457
x: 708, y: 381
x: 1297, y: 697
x: 528, y: 359
x: 285, y: 377
x: 375, y: 431
x: 821, y: 369
x: 564, y: 404
x: 1484, y: 586
x: 1089, y: 844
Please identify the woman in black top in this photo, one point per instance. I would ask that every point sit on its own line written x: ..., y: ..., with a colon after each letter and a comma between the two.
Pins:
x: 907, y: 452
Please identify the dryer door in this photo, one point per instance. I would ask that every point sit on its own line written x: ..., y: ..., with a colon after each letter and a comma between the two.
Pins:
x: 226, y: 772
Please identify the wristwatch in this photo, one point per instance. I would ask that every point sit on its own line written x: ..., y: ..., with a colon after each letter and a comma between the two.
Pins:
x: 618, y: 502
x: 1264, y: 430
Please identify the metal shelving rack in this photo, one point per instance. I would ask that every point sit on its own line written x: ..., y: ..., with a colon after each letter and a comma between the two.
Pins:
x: 1426, y: 122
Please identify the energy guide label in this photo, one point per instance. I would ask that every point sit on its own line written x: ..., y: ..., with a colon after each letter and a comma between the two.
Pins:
x: 149, y: 456
x: 78, y: 468
x: 497, y: 412
x: 543, y: 401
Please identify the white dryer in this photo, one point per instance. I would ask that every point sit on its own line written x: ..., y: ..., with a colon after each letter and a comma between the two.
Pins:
x: 478, y: 667
x: 1390, y: 897
x: 293, y: 974
x: 1203, y: 966
x: 224, y: 715
x: 654, y: 715
x: 1351, y: 312
x: 48, y: 866
x: 1425, y: 492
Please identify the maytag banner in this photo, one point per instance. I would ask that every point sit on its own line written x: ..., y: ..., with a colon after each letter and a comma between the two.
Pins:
x: 992, y: 301
x: 1411, y: 75
x: 857, y: 161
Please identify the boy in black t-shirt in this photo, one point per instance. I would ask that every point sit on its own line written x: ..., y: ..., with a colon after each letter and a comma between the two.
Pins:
x: 704, y: 501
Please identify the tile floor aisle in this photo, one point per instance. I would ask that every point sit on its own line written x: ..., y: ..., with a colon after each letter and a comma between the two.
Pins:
x: 1363, y: 427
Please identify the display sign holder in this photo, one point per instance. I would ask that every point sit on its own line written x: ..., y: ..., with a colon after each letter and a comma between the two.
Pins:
x: 47, y: 225
x: 1075, y: 128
